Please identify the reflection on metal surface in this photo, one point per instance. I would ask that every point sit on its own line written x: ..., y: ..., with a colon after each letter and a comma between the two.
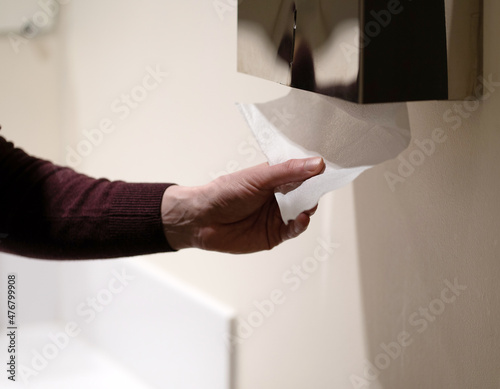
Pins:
x: 301, y: 43
x: 366, y: 51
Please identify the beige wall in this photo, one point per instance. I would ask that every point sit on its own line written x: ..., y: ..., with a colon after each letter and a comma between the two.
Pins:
x: 29, y: 94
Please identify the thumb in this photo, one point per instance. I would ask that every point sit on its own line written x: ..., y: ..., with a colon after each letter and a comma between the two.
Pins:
x: 291, y: 171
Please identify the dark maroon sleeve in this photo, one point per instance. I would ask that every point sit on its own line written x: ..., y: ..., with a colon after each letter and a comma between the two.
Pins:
x: 52, y: 212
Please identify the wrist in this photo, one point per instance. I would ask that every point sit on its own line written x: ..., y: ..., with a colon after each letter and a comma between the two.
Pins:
x: 180, y: 210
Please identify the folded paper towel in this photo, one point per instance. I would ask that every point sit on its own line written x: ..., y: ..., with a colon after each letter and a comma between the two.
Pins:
x: 350, y: 137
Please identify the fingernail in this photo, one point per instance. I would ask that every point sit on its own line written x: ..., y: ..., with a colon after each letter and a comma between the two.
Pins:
x: 312, y: 164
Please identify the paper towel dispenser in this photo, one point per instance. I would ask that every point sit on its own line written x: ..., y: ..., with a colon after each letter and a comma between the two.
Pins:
x: 365, y: 51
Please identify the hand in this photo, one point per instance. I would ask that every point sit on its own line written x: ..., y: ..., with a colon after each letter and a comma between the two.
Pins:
x: 236, y: 213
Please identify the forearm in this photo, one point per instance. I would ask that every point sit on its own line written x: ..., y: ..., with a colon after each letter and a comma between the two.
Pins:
x: 47, y: 211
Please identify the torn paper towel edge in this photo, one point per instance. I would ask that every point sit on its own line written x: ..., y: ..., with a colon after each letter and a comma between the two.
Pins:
x: 278, y: 148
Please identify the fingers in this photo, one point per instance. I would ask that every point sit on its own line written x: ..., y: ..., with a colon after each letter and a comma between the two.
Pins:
x: 311, y: 211
x: 297, y: 226
x: 292, y: 171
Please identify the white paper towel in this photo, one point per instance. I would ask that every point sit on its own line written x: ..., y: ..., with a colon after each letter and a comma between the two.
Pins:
x: 350, y: 137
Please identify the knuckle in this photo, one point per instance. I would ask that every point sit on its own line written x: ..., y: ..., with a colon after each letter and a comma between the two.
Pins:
x: 292, y: 164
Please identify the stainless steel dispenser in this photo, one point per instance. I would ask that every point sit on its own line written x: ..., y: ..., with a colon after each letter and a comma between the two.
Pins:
x: 366, y: 51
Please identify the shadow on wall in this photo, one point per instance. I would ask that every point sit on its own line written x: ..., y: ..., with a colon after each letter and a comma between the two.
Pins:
x: 428, y: 225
